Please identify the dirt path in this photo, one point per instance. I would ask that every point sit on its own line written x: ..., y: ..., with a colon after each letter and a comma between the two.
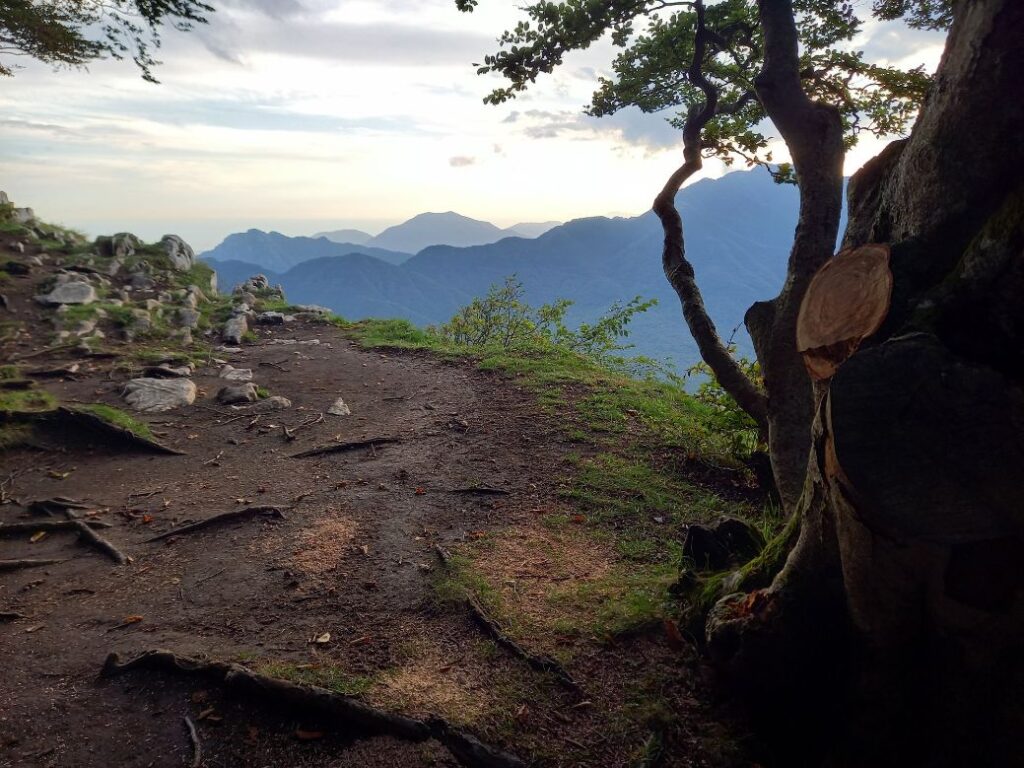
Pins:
x: 353, y: 557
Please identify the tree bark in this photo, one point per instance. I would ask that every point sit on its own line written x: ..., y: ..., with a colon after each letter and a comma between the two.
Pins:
x: 813, y: 132
x: 913, y: 506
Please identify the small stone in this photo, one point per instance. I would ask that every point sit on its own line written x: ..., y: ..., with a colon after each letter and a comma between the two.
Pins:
x: 238, y: 393
x: 230, y: 373
x: 270, y: 318
x: 339, y: 408
x: 189, y: 318
x: 274, y: 403
x: 141, y: 282
x: 155, y: 395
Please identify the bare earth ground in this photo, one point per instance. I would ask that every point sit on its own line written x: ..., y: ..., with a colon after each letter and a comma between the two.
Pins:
x: 353, y: 557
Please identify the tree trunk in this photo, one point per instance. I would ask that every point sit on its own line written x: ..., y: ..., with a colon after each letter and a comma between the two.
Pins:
x: 913, y: 506
x: 813, y: 132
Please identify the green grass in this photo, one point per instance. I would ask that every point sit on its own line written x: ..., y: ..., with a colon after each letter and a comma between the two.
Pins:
x: 13, y: 435
x: 322, y: 675
x: 10, y: 372
x: 118, y: 418
x: 26, y: 401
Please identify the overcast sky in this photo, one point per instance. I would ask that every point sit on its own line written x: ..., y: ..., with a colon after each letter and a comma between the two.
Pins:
x: 302, y: 115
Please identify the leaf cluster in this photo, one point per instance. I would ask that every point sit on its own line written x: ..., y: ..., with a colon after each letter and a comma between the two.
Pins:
x: 72, y: 33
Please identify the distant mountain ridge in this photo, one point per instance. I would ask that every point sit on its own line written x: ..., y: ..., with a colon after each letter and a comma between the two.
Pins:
x: 739, y: 231
x: 275, y: 252
x: 428, y: 229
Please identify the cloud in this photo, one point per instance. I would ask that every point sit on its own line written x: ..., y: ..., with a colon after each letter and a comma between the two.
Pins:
x: 461, y: 161
x: 308, y: 36
x: 629, y: 126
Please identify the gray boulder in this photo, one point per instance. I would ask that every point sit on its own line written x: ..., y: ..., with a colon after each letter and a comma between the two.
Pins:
x: 24, y: 215
x: 68, y: 293
x: 188, y: 317
x: 230, y: 373
x: 182, y: 257
x: 235, y: 329
x: 339, y: 408
x: 155, y: 395
x: 4, y: 199
x: 238, y: 393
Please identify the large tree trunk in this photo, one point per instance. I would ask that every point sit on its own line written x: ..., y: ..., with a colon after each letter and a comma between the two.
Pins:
x: 913, y: 505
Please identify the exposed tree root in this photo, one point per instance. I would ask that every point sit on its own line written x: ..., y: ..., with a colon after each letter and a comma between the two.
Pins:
x: 17, y: 565
x: 353, y: 445
x: 12, y: 529
x: 52, y: 506
x: 100, y: 543
x: 494, y: 630
x: 344, y: 713
x: 223, y: 517
x: 480, y: 490
x: 197, y: 748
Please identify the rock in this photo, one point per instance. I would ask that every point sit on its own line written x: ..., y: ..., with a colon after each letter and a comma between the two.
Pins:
x: 19, y: 246
x: 270, y: 318
x: 189, y: 318
x: 275, y: 403
x: 339, y: 408
x: 141, y: 322
x: 184, y: 335
x: 154, y: 395
x: 121, y: 246
x: 230, y: 373
x: 23, y: 215
x: 4, y: 199
x: 729, y: 542
x: 313, y: 309
x: 142, y: 282
x: 5, y: 302
x: 190, y: 300
x: 291, y: 342
x: 182, y: 257
x: 245, y: 298
x: 213, y: 282
x: 84, y: 328
x: 17, y: 268
x: 234, y: 330
x: 152, y: 305
x: 36, y: 261
x: 113, y: 268
x: 68, y: 293
x: 238, y: 393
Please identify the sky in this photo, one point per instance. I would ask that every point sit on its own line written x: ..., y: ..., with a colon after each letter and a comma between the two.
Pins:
x: 306, y: 115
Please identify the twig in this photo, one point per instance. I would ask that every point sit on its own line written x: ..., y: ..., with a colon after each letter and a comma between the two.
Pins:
x: 211, y: 576
x: 277, y: 365
x: 214, y: 460
x: 101, y: 544
x: 342, y: 713
x: 223, y: 517
x: 197, y: 749
x: 147, y: 494
x: 344, y: 447
x: 17, y: 565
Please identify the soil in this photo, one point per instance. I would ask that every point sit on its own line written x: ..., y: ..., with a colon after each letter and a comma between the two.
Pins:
x: 352, y: 557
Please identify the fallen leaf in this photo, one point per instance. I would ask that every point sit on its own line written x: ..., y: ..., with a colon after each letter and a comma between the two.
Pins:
x: 29, y: 630
x: 147, y: 518
x: 421, y: 491
x: 38, y: 536
x: 57, y: 475
x: 321, y: 639
x: 365, y: 640
x: 578, y: 519
x: 308, y: 735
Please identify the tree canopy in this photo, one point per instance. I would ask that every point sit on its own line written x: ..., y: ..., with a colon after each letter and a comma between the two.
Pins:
x: 660, y: 41
x: 72, y: 33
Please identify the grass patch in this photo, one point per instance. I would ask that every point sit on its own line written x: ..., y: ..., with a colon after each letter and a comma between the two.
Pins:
x: 26, y: 401
x: 322, y: 675
x: 8, y: 372
x: 14, y: 435
x: 118, y: 418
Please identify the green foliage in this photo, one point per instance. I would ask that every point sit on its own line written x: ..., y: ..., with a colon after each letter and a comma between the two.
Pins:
x: 725, y: 414
x: 692, y: 57
x: 72, y: 33
x: 503, y: 320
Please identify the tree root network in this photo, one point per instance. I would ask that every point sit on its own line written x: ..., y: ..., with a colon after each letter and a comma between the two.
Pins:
x: 345, y: 713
